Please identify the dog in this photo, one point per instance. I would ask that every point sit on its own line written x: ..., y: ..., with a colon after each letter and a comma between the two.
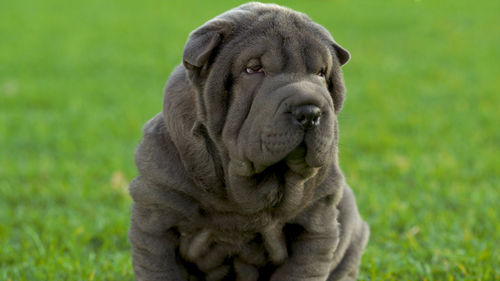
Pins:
x: 238, y: 175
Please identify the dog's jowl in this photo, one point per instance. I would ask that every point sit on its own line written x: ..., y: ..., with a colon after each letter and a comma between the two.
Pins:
x: 238, y: 175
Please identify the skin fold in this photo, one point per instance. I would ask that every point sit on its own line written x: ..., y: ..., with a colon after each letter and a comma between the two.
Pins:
x: 238, y: 175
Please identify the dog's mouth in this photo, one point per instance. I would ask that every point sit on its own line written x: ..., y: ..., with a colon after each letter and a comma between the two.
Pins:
x: 295, y: 160
x: 256, y: 187
x: 276, y: 171
x: 298, y: 150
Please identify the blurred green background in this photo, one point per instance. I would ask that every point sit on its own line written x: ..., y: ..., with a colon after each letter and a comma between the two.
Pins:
x: 419, y: 138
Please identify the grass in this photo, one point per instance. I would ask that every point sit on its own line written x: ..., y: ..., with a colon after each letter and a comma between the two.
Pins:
x: 419, y: 131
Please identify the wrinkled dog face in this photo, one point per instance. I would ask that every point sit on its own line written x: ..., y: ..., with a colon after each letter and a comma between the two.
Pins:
x: 270, y: 79
x: 290, y: 109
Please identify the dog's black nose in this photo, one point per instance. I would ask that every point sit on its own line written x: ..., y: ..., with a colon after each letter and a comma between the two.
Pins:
x: 307, y: 115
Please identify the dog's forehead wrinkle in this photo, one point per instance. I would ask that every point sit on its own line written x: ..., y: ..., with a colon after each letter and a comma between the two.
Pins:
x: 291, y: 53
x: 293, y: 61
x: 272, y: 60
x: 286, y: 32
x: 316, y: 56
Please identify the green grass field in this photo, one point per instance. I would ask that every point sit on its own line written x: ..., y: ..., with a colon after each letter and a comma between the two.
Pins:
x: 420, y: 138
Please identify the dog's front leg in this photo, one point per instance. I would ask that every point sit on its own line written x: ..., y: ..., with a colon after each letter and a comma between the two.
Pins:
x: 311, y: 253
x: 153, y: 235
x: 153, y: 246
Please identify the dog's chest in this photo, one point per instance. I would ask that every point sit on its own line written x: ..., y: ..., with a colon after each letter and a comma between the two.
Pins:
x: 244, y: 241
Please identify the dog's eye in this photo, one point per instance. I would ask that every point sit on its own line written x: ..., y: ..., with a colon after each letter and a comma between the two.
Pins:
x: 254, y: 69
x: 321, y: 73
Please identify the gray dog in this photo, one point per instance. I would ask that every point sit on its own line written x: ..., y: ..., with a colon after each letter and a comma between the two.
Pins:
x: 239, y: 176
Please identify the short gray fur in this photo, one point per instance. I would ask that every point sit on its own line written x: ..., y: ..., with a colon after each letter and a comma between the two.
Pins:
x: 230, y: 185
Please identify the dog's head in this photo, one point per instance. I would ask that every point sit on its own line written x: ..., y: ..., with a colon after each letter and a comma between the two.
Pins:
x: 269, y: 89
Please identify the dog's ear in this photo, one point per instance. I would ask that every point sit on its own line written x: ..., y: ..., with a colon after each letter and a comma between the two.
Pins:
x: 336, y: 81
x: 342, y: 54
x: 203, y: 42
